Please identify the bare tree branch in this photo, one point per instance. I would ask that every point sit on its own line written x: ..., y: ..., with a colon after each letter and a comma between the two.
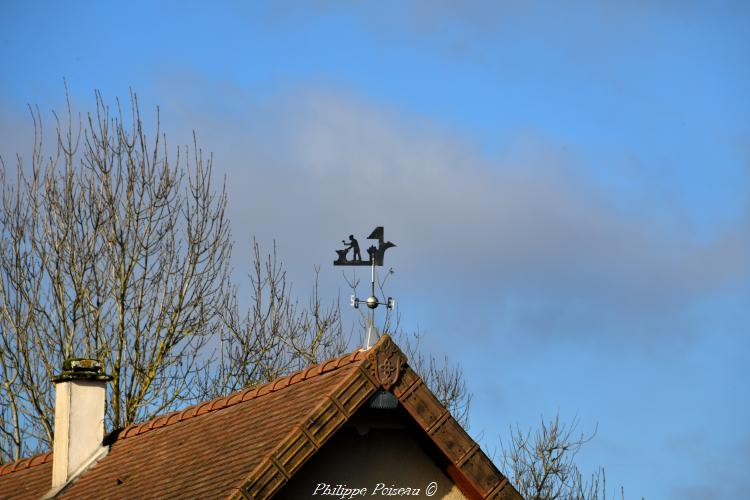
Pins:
x: 109, y: 249
x: 542, y: 463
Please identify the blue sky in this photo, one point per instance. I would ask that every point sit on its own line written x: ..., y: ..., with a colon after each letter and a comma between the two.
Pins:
x: 568, y: 186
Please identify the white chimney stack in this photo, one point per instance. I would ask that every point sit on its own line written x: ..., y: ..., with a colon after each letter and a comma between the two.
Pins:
x: 80, y: 393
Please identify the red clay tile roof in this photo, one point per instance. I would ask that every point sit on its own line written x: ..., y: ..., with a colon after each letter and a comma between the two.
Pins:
x: 26, y: 478
x: 247, y: 444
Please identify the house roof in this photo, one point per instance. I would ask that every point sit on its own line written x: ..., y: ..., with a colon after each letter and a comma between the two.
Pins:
x: 248, y: 444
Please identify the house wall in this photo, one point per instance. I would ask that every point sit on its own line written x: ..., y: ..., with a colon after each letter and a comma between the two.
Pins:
x: 365, y: 462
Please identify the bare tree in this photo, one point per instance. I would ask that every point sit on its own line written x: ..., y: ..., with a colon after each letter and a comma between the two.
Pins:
x: 276, y: 334
x: 110, y: 250
x: 444, y: 378
x: 542, y: 463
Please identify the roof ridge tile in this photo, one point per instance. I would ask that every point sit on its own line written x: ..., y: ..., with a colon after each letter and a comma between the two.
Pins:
x: 219, y: 403
x: 250, y: 393
x: 174, y: 417
x: 280, y: 384
x: 243, y: 395
x: 25, y: 463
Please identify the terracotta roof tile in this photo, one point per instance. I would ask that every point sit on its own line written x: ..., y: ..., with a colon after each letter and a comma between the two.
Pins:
x: 29, y: 481
x: 25, y: 463
x: 173, y: 418
x: 250, y: 442
x: 31, y: 477
x: 249, y: 394
x: 207, y: 449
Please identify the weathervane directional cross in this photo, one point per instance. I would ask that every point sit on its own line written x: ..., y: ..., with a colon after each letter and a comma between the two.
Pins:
x: 375, y: 258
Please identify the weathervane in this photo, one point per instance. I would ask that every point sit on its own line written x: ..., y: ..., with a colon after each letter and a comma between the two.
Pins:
x: 375, y: 258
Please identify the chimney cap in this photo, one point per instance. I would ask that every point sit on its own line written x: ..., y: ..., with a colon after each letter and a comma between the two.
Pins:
x: 81, y: 369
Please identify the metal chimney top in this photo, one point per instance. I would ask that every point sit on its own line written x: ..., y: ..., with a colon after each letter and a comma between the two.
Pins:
x: 81, y: 369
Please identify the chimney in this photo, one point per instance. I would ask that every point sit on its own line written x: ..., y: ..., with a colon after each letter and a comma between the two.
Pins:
x: 80, y: 392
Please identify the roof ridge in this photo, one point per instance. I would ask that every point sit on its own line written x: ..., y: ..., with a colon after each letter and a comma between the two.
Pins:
x: 241, y: 396
x: 470, y: 469
x: 25, y: 463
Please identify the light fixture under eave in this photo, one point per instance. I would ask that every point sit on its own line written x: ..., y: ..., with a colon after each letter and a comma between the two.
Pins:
x: 383, y: 400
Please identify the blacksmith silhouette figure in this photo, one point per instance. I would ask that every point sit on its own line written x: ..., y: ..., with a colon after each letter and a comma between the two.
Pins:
x: 353, y: 245
x: 375, y: 254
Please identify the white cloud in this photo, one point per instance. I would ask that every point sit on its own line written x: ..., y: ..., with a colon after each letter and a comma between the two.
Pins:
x: 528, y: 221
x: 309, y: 167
